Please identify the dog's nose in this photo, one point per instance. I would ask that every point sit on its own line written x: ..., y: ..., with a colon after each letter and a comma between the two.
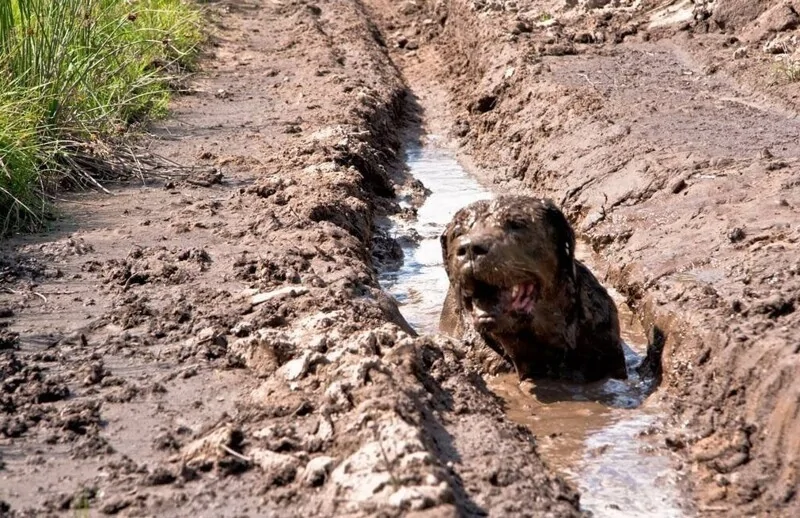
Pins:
x: 472, y: 248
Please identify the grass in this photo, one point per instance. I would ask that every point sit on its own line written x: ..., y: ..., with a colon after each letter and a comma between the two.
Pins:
x: 77, y: 75
x: 789, y: 69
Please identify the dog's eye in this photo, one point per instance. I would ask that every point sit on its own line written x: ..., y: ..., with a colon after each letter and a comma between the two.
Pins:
x: 515, y: 224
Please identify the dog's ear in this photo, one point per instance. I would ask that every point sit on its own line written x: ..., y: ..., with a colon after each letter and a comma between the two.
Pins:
x: 444, y: 240
x: 563, y: 235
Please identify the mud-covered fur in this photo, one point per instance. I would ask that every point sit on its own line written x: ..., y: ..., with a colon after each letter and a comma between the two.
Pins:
x: 516, y: 287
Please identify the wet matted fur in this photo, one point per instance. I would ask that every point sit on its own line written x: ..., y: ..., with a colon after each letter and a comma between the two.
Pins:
x: 516, y: 287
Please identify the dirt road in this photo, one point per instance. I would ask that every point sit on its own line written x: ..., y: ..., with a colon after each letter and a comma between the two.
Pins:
x: 220, y: 346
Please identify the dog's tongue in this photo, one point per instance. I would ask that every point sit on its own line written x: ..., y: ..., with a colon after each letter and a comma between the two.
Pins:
x: 523, y: 297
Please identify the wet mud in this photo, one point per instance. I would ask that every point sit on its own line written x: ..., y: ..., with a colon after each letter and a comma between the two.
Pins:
x: 231, y: 348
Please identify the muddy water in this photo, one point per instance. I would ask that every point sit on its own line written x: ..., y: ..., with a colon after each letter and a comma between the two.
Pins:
x: 595, y: 435
x: 421, y: 283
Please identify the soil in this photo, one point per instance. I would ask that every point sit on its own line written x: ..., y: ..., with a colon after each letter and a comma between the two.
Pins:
x: 222, y: 347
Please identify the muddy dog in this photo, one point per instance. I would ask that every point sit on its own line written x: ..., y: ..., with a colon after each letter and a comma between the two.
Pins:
x: 516, y: 286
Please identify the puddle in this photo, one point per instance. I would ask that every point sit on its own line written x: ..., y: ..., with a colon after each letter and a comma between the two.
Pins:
x: 595, y: 435
x: 420, y: 285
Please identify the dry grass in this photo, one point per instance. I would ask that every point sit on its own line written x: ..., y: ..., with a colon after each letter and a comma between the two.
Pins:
x: 787, y: 69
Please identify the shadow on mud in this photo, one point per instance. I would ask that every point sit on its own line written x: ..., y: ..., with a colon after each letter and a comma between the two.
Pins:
x: 443, y: 441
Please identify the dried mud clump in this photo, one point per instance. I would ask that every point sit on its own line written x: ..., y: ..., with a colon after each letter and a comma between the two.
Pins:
x: 8, y: 339
x: 60, y: 250
x: 286, y: 267
x: 25, y: 392
x: 22, y: 267
x: 131, y: 311
x: 153, y: 265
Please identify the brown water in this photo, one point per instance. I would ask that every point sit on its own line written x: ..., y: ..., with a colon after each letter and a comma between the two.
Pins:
x: 596, y: 435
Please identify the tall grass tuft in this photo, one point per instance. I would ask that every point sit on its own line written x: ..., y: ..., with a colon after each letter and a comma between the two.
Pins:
x: 75, y: 75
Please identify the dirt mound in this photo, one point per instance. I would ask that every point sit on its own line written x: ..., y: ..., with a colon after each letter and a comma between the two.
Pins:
x: 735, y: 15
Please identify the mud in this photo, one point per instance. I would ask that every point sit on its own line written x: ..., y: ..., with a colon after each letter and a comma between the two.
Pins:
x: 222, y: 347
x: 604, y: 437
x: 670, y: 137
